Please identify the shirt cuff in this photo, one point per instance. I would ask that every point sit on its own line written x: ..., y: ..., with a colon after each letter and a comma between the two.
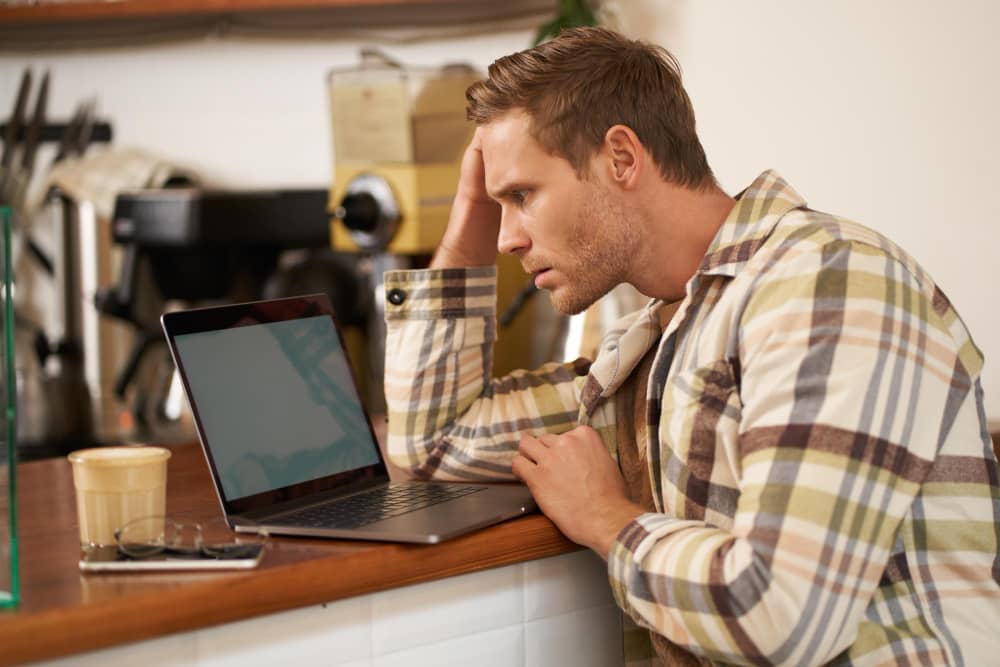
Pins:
x: 630, y: 547
x: 433, y: 294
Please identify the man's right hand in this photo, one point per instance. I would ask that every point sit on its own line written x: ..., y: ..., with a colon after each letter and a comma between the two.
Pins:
x: 474, y: 224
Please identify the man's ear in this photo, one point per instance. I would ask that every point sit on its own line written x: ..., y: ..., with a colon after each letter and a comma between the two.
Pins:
x: 624, y: 152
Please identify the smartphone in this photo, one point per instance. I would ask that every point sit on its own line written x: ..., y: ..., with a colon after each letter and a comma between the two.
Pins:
x: 110, y: 559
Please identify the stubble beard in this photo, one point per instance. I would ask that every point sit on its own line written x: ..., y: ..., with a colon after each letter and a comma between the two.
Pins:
x: 606, y: 247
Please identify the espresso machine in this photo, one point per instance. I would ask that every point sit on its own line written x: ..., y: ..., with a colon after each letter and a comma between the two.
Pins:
x: 188, y: 247
x: 399, y: 133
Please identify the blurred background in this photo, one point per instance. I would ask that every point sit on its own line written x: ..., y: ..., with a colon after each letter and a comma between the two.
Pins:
x: 191, y: 155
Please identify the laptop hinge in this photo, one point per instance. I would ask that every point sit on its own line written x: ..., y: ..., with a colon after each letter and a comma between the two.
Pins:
x: 255, y: 515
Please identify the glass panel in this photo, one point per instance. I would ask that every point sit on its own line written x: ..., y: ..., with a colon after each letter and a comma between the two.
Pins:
x: 8, y: 426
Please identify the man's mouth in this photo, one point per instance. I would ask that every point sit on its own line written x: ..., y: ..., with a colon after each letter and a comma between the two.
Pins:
x: 539, y: 277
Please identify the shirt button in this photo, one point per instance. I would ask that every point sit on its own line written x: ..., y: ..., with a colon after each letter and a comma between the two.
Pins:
x: 396, y: 296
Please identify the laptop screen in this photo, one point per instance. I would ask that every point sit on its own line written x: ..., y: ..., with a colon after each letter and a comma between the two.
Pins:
x: 276, y: 403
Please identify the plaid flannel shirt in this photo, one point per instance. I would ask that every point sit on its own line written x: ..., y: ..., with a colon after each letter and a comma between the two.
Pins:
x: 825, y: 486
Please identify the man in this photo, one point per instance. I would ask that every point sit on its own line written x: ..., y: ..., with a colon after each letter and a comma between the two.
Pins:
x: 783, y: 457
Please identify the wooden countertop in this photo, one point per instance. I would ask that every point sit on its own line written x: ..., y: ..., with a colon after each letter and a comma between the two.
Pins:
x: 63, y: 611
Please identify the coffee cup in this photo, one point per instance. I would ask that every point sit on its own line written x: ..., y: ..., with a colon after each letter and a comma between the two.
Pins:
x: 116, y: 485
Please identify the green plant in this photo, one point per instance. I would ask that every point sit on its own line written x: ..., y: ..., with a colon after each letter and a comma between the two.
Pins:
x: 572, y: 14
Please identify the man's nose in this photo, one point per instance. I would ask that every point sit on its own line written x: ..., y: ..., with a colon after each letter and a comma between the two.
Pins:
x: 512, y: 239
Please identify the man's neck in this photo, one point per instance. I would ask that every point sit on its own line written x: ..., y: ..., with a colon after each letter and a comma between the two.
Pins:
x: 680, y: 224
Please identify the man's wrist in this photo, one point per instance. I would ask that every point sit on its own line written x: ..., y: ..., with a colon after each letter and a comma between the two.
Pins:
x: 610, y: 523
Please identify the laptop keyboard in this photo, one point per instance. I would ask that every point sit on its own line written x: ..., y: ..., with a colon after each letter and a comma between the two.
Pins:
x: 382, y: 503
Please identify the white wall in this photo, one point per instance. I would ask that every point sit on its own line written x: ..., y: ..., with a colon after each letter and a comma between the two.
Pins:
x: 879, y: 111
x: 242, y: 112
x: 884, y: 112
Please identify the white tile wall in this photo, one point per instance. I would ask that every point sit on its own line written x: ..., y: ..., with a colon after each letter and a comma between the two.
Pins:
x: 335, y: 634
x: 172, y: 651
x: 585, y: 638
x: 446, y: 609
x: 496, y: 648
x: 550, y: 612
x: 554, y: 586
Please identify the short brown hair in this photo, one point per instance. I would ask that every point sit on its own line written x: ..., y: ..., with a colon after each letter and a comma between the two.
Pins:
x: 578, y: 85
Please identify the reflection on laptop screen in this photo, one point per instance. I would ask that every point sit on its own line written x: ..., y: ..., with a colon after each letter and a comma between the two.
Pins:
x: 277, y: 404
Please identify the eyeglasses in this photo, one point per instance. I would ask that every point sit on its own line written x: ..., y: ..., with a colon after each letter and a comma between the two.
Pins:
x: 154, y: 536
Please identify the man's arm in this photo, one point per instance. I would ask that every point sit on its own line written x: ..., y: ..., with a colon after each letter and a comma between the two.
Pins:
x: 448, y: 419
x: 827, y: 477
x: 844, y: 398
x: 474, y: 224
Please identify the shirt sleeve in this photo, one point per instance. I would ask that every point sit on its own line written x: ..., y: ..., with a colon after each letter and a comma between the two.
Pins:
x: 447, y: 417
x: 849, y: 383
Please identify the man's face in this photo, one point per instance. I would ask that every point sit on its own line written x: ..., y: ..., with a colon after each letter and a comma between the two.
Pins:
x: 573, y: 236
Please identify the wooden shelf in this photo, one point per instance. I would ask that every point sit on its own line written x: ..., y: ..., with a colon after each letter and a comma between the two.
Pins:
x: 91, y: 10
x: 96, y: 10
x: 75, y: 24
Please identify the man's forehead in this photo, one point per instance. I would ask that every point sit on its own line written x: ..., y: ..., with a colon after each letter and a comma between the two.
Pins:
x: 509, y: 150
x: 510, y: 131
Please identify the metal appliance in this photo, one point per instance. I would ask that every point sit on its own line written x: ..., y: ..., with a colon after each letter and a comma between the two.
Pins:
x: 52, y: 393
x: 187, y: 247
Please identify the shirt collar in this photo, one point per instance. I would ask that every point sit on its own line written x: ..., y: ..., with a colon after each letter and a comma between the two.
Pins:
x: 758, y: 209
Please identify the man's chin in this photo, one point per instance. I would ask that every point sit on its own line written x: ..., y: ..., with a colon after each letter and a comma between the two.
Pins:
x: 567, y: 305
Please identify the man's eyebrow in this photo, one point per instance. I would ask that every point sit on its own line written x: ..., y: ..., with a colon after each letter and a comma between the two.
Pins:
x: 505, y: 190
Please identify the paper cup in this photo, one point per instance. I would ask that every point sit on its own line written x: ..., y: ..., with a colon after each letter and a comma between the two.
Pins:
x: 116, y: 485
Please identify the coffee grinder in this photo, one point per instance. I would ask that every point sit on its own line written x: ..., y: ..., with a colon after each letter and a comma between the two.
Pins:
x: 399, y: 133
x: 398, y: 137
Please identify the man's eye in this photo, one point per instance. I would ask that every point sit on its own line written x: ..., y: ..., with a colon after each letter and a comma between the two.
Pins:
x: 519, y: 196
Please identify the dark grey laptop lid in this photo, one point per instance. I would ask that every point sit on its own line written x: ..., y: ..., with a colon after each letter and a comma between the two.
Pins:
x: 275, y: 402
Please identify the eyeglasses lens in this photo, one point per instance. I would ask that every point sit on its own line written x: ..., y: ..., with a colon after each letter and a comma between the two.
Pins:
x: 142, y: 538
x: 155, y: 535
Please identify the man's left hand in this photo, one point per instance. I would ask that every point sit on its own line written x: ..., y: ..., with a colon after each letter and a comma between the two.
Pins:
x: 577, y: 485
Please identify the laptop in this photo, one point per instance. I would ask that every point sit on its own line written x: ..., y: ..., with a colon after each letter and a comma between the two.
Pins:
x: 289, y: 443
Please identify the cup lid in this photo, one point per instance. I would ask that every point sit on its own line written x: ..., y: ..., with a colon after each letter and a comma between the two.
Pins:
x: 119, y: 456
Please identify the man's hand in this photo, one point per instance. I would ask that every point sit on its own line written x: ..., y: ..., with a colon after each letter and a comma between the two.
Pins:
x: 474, y: 224
x: 472, y: 177
x: 577, y: 485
